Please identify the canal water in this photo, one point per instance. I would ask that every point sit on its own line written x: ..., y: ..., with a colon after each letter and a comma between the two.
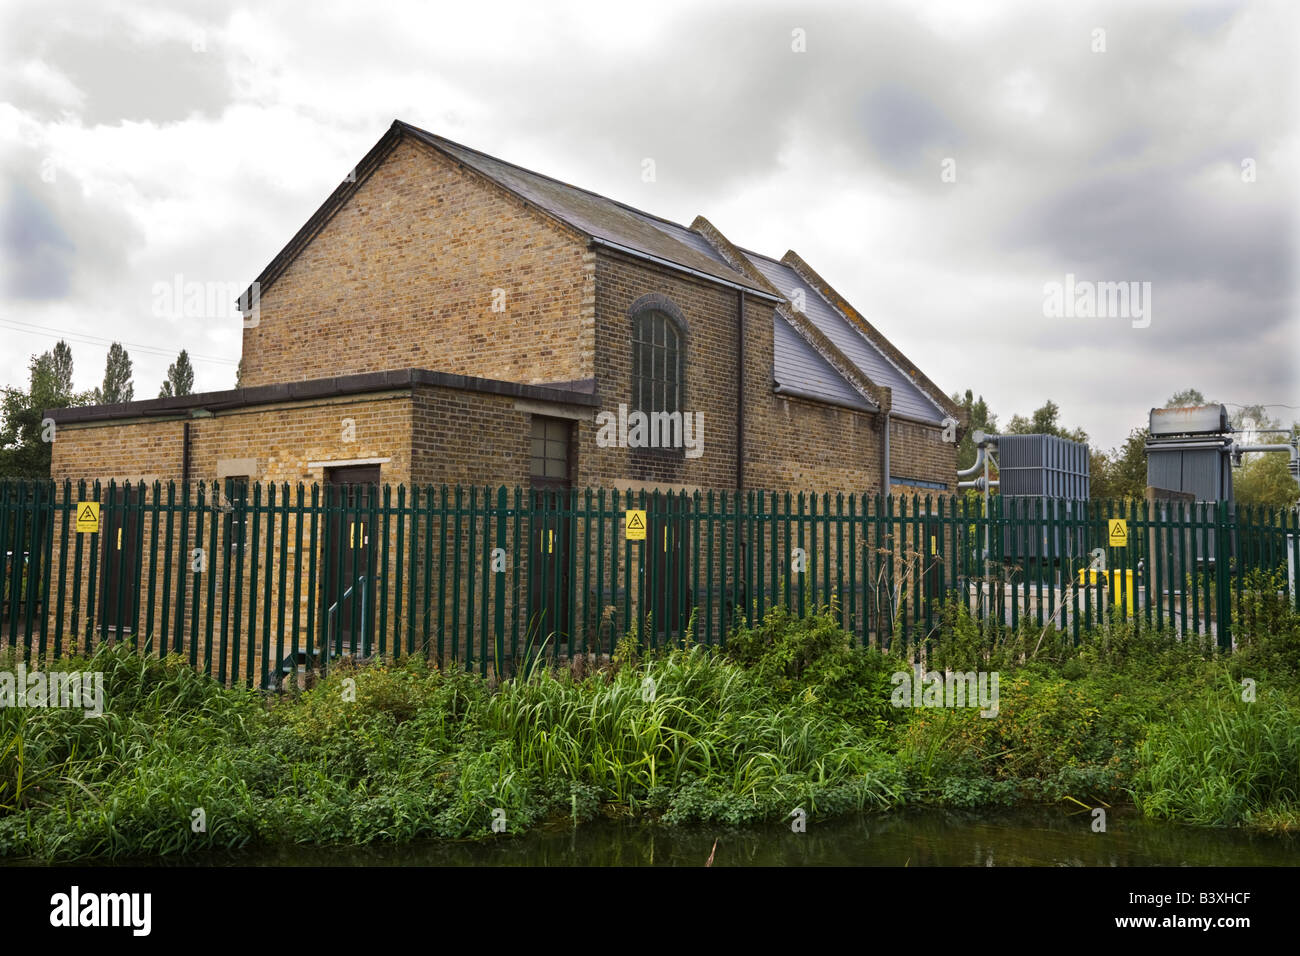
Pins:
x: 902, y: 838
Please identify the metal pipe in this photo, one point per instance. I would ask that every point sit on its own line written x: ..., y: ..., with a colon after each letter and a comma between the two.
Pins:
x: 1238, y: 450
x: 983, y: 442
x: 740, y: 389
x: 987, y: 524
x: 884, y: 480
x: 973, y: 469
x: 185, y: 454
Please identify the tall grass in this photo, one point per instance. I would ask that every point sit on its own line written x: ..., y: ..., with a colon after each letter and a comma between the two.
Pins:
x: 1224, y: 762
x: 688, y: 717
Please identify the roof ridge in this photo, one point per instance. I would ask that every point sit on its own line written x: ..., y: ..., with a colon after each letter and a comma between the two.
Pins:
x: 549, y: 178
x: 868, y: 332
x: 856, y: 378
x: 858, y: 331
x: 606, y: 221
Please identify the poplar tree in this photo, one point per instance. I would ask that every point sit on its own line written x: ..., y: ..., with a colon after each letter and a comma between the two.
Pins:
x: 180, y: 377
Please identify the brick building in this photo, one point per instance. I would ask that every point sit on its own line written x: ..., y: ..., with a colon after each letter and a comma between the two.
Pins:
x: 444, y: 310
x: 448, y: 318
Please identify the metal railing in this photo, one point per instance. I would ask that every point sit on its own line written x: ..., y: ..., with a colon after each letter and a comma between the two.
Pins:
x: 249, y: 585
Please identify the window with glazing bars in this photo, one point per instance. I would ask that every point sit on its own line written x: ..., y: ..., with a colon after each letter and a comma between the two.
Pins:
x: 550, y: 447
x: 656, y: 364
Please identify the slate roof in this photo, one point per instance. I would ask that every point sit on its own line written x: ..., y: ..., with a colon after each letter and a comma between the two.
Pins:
x: 907, y: 398
x: 798, y: 365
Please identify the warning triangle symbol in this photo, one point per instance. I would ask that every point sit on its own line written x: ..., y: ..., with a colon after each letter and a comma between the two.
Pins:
x: 87, y: 513
x: 635, y: 523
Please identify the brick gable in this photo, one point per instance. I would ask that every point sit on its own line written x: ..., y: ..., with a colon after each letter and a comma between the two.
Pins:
x: 403, y: 276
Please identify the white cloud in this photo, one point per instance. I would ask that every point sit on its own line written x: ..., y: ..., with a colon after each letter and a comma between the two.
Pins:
x: 205, y: 162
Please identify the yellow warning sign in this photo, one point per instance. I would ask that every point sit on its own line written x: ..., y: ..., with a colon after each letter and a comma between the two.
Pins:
x: 1118, y: 528
x: 635, y: 524
x: 88, y: 517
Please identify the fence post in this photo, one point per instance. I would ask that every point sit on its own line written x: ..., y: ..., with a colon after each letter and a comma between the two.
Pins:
x: 1222, y: 575
x: 499, y: 591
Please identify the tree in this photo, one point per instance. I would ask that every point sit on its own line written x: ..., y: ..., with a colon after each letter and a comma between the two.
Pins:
x: 117, y: 386
x: 180, y: 377
x: 1187, y: 398
x: 61, y: 370
x: 1122, y: 473
x: 24, y: 435
x: 1264, y: 478
x: 980, y: 419
x: 1045, y: 421
x: 1249, y: 420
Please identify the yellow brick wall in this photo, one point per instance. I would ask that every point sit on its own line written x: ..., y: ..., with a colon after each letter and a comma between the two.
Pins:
x: 403, y: 277
x: 282, y: 439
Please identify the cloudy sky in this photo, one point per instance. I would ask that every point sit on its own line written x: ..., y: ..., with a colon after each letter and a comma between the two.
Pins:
x: 942, y: 164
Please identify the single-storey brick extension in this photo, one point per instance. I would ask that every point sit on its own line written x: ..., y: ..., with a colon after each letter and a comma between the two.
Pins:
x: 446, y: 317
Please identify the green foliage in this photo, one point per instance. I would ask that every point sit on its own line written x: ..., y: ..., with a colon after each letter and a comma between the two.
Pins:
x: 117, y: 385
x: 24, y: 440
x: 1045, y: 421
x: 1187, y: 398
x: 813, y: 657
x: 1264, y: 480
x: 180, y: 377
x: 402, y: 752
x: 1122, y: 473
x: 1266, y: 627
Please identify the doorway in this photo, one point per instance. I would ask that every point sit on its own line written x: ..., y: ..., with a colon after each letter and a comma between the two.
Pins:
x: 349, y: 567
x: 551, y: 536
x: 668, y: 539
x: 120, y: 588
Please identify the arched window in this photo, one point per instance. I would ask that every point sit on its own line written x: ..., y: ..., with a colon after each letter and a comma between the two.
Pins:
x: 657, y: 362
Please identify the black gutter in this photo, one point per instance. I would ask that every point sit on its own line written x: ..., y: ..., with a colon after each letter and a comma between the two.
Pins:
x: 568, y: 393
x: 791, y: 391
x: 740, y: 389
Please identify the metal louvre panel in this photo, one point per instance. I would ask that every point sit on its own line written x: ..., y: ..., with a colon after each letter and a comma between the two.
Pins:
x: 1049, y: 469
x: 1043, y: 465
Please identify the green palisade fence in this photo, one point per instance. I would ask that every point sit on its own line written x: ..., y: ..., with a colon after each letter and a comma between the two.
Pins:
x: 260, y: 584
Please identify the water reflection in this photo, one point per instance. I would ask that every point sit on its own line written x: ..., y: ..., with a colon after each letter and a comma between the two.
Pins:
x: 904, y: 838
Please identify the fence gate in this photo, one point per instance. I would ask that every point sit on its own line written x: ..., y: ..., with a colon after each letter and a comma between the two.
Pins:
x: 668, y: 539
x: 350, y: 539
x: 549, y: 575
x: 120, y: 575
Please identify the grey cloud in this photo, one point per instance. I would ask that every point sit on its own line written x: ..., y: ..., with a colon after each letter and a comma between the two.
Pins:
x: 903, y: 125
x: 40, y: 258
